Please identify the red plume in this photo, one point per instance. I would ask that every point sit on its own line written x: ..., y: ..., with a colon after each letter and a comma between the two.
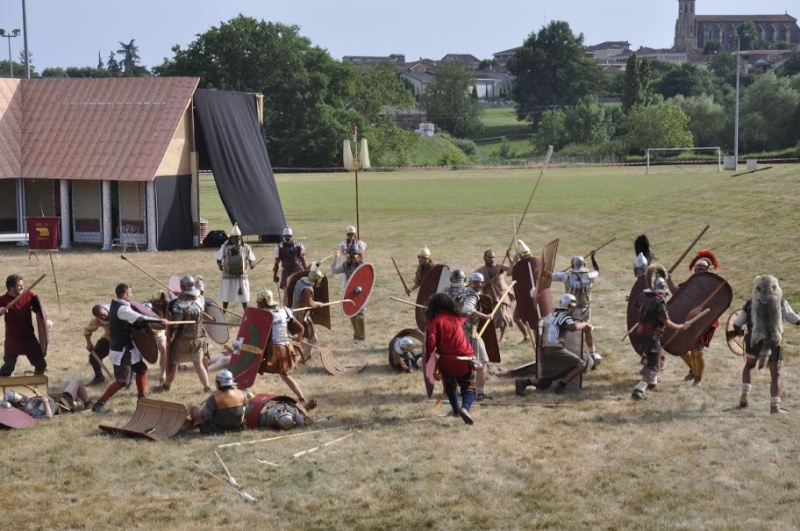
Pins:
x: 704, y: 253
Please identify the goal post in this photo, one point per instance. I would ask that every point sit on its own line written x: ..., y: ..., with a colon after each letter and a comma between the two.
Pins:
x: 716, y: 150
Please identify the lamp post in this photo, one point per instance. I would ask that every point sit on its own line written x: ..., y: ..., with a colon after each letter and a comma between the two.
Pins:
x: 9, y: 36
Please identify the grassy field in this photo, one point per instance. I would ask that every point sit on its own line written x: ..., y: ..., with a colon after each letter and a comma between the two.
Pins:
x: 499, y: 123
x: 687, y: 458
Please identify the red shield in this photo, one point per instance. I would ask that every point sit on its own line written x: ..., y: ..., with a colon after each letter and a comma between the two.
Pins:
x: 256, y: 404
x: 549, y: 253
x: 435, y: 281
x: 700, y: 291
x: 490, y: 334
x: 254, y: 334
x: 736, y: 344
x: 633, y: 313
x: 43, y: 330
x: 358, y: 289
x: 15, y: 419
x: 524, y: 273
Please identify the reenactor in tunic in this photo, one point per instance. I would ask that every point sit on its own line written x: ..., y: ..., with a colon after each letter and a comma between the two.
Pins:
x: 289, y: 254
x: 346, y: 268
x: 99, y: 321
x: 578, y: 281
x: 234, y: 257
x: 494, y: 286
x: 423, y: 268
x: 224, y: 410
x: 303, y: 297
x: 352, y: 238
x: 20, y: 339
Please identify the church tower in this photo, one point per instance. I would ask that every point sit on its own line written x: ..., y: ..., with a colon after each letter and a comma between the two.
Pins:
x: 685, y: 30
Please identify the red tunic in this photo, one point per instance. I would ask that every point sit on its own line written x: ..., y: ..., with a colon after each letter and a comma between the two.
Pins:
x: 20, y: 339
x: 445, y: 336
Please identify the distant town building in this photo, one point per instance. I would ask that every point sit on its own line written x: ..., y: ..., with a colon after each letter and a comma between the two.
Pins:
x: 693, y: 32
x: 373, y: 60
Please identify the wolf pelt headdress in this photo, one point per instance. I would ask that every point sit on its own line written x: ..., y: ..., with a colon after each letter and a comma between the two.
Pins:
x: 652, y: 272
x: 766, y: 315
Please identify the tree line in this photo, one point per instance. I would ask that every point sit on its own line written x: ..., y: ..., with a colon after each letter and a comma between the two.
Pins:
x: 311, y: 101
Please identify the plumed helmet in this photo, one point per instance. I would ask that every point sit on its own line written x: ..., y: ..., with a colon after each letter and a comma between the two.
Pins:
x: 225, y: 379
x: 406, y: 344
x: 476, y: 277
x: 578, y: 263
x: 567, y: 302
x: 640, y: 262
x: 236, y: 231
x: 458, y: 279
x: 267, y: 296
x: 705, y: 257
x: 287, y: 232
x: 188, y: 286
x: 350, y: 229
x: 652, y: 273
x: 285, y: 420
x: 316, y: 275
x: 424, y: 253
x: 523, y: 250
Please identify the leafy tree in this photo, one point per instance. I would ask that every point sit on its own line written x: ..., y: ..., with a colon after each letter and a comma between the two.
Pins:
x: 54, y: 72
x: 100, y: 61
x: 306, y: 93
x: 113, y: 65
x: 712, y: 47
x: 637, y: 83
x: 130, y: 59
x: 448, y: 102
x: 750, y: 39
x: 723, y: 66
x: 550, y: 69
x: 708, y: 121
x: 687, y: 80
x: 770, y: 114
x: 550, y: 131
x: 791, y: 66
x: 588, y: 123
x: 660, y: 125
x: 488, y: 64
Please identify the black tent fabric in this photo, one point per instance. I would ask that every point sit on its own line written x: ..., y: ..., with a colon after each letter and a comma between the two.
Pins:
x: 174, y: 212
x: 230, y: 143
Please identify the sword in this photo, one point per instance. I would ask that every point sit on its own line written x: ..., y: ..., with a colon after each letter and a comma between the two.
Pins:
x: 405, y: 287
x: 325, y: 304
x: 496, y: 307
x: 671, y: 269
x: 408, y: 302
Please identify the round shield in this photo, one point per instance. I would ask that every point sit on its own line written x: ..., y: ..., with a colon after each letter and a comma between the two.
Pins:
x: 15, y: 419
x: 217, y: 332
x: 736, y: 344
x: 358, y: 289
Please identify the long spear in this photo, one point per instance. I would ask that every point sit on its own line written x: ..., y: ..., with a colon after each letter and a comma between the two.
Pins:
x: 148, y: 274
x: 595, y: 250
x: 55, y: 279
x: 677, y: 263
x: 496, y: 307
x: 26, y: 290
x: 399, y: 274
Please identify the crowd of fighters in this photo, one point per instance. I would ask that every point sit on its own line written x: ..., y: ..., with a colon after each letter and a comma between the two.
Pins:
x: 449, y: 345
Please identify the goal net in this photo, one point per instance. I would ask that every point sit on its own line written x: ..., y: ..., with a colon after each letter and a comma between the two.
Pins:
x: 693, y: 155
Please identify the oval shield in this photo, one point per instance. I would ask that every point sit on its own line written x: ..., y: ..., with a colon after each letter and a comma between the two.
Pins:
x: 145, y: 340
x: 217, y: 332
x: 15, y: 419
x: 43, y: 330
x: 549, y: 253
x: 700, y: 291
x: 490, y: 334
x: 319, y: 316
x: 633, y: 313
x: 435, y: 281
x: 358, y: 289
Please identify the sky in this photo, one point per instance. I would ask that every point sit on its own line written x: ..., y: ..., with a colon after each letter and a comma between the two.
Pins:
x: 72, y: 32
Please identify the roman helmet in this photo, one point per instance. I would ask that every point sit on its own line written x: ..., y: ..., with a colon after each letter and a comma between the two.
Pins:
x: 458, y: 279
x: 523, y: 250
x: 424, y: 253
x: 704, y: 258
x: 350, y: 230
x: 567, y: 302
x: 225, y: 379
x: 188, y: 286
x: 236, y: 231
x: 405, y: 344
x: 267, y: 297
x: 353, y: 251
x: 652, y: 274
x: 287, y: 232
x: 640, y: 262
x: 476, y: 279
x: 316, y: 275
x: 578, y: 263
x: 659, y: 285
x: 285, y: 420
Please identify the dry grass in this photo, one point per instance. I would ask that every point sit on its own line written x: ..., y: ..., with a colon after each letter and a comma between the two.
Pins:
x: 686, y: 458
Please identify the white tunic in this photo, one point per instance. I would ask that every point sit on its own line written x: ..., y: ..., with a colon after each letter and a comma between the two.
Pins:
x: 230, y: 285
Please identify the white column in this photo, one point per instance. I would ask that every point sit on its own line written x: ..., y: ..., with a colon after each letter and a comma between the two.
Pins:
x: 105, y: 224
x: 66, y: 215
x: 150, y: 222
x: 21, y: 225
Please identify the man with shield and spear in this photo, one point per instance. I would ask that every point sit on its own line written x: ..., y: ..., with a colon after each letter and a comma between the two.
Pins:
x: 353, y: 261
x: 233, y: 259
x: 424, y: 266
x: 16, y: 306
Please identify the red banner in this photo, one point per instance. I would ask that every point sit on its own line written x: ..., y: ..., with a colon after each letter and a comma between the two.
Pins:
x: 42, y: 233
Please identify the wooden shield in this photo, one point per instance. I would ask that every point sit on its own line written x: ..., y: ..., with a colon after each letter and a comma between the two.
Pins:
x: 358, y: 289
x: 735, y: 344
x: 490, y: 334
x: 429, y: 371
x: 288, y: 293
x: 249, y: 346
x: 42, y: 330
x: 410, y: 332
x: 633, y: 313
x: 15, y: 419
x: 700, y: 291
x: 524, y: 273
x: 153, y: 419
x: 435, y: 281
x: 217, y: 332
x: 145, y: 340
x: 319, y: 316
x: 144, y: 310
x: 549, y: 253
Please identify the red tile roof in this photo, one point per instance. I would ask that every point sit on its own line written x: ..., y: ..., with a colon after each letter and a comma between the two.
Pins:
x: 10, y: 128
x: 95, y: 129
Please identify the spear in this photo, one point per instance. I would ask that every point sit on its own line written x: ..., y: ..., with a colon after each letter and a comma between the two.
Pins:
x: 26, y: 290
x: 677, y: 263
x: 399, y: 274
x: 496, y: 307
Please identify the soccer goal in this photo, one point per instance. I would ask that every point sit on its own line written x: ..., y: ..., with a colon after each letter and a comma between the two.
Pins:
x: 660, y: 156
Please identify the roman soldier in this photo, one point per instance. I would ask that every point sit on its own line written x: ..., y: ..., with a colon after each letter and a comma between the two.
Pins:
x: 291, y: 255
x: 98, y: 321
x: 20, y: 338
x: 234, y: 257
x: 276, y: 412
x: 703, y: 262
x: 352, y: 238
x: 185, y: 341
x: 761, y: 323
x: 224, y: 410
x: 641, y: 246
x: 653, y: 320
x: 402, y: 355
x: 494, y: 285
x: 425, y: 264
x: 280, y: 356
x: 303, y: 297
x: 578, y: 281
x: 346, y: 268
